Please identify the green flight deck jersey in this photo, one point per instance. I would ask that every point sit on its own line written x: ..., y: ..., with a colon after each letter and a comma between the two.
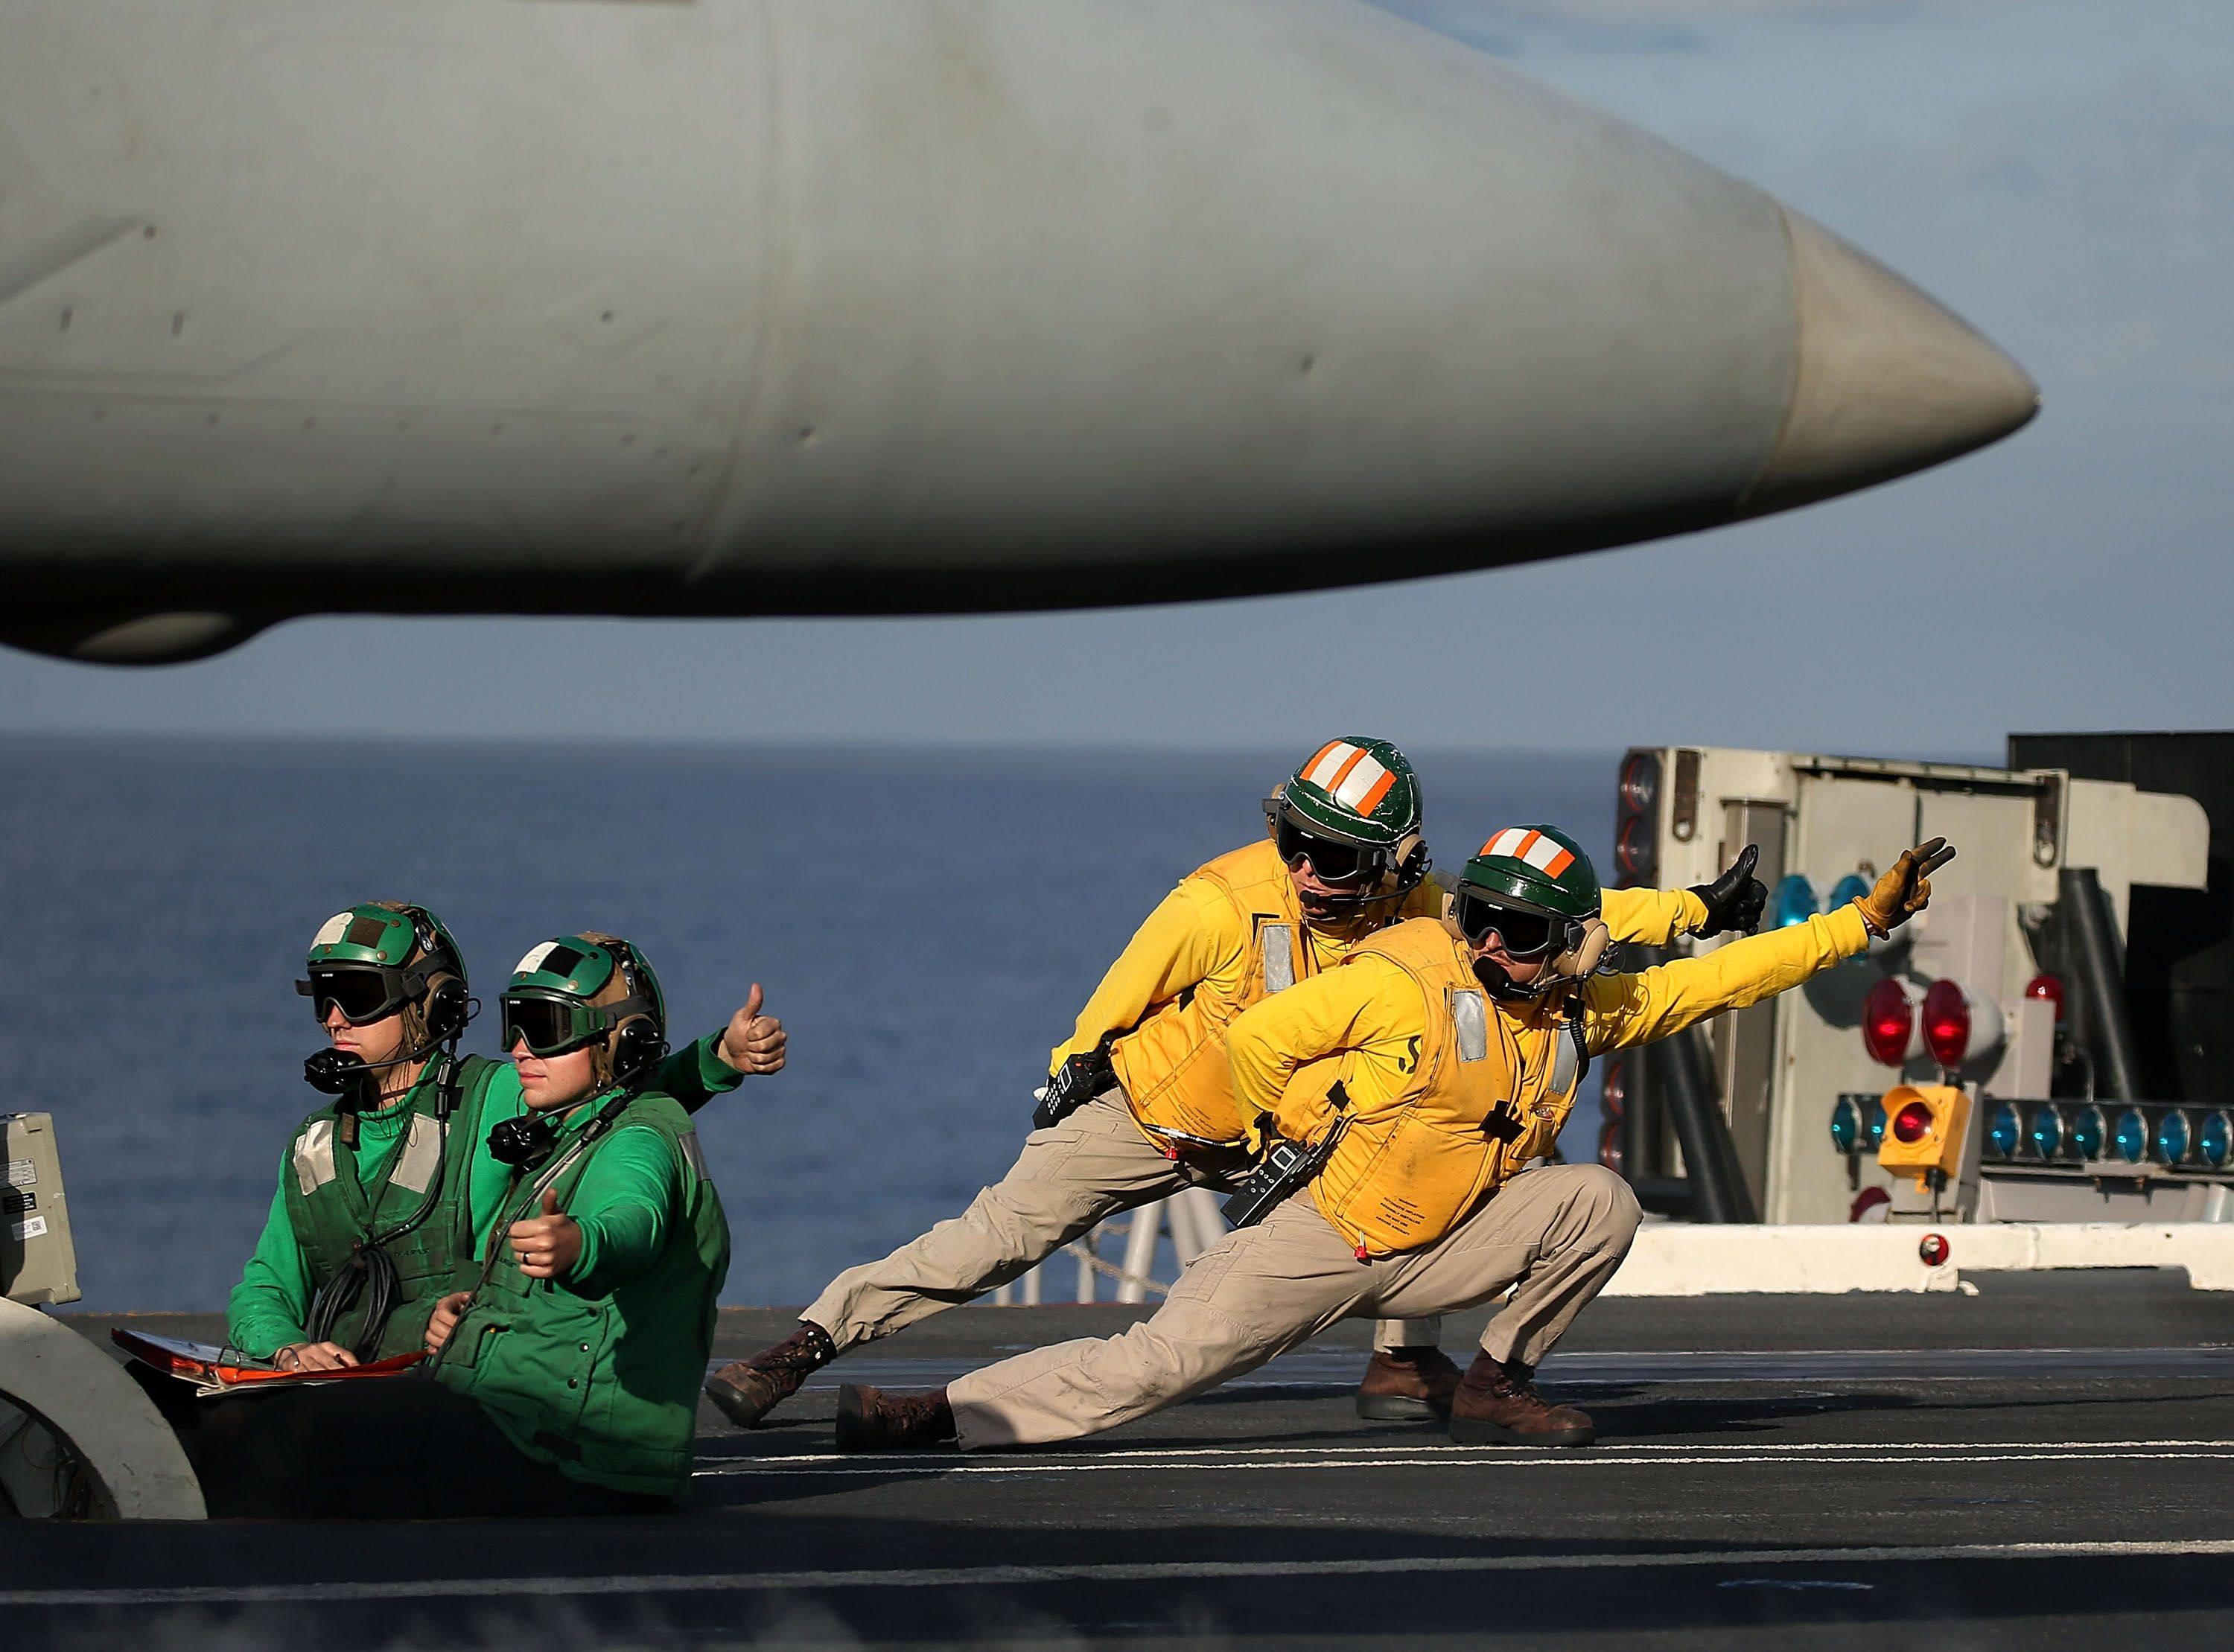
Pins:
x: 597, y: 1374
x: 331, y: 1197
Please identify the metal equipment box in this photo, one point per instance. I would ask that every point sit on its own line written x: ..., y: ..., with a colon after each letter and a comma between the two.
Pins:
x: 38, y: 1262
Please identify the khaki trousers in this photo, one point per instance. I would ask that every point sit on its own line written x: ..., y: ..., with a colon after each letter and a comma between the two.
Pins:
x: 1090, y: 1166
x: 1559, y: 1230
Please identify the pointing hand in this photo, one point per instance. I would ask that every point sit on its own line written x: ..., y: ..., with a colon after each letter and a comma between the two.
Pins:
x: 1905, y: 889
x: 752, y: 1042
x: 1735, y: 899
x: 547, y: 1245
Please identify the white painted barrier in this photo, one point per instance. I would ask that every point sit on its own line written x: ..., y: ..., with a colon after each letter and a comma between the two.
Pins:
x: 1684, y: 1259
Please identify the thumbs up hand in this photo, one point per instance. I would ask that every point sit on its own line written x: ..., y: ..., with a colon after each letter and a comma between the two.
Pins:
x: 752, y: 1042
x: 1735, y: 899
x: 548, y: 1245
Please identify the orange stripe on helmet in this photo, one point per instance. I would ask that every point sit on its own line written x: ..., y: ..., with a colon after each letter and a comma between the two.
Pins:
x: 1560, y: 863
x: 1381, y: 787
x: 1308, y: 770
x: 1356, y: 756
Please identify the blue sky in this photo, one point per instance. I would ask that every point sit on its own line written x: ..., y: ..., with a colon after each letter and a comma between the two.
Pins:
x: 2060, y: 173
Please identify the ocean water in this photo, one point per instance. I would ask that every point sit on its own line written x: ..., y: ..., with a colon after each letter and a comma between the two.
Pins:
x: 926, y: 923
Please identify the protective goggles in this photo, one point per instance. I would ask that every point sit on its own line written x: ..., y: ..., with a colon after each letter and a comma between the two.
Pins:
x: 364, y: 993
x: 552, y: 1026
x: 1526, y: 933
x: 1334, y: 860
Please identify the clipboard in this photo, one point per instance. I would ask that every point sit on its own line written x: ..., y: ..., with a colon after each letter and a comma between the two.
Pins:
x: 213, y: 1371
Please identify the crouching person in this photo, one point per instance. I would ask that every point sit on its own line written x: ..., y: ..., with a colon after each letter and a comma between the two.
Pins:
x: 1404, y: 1095
x: 565, y: 1379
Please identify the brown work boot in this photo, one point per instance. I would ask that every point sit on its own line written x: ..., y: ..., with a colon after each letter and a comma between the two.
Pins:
x: 1496, y: 1405
x: 1408, y: 1384
x: 747, y: 1390
x: 869, y: 1419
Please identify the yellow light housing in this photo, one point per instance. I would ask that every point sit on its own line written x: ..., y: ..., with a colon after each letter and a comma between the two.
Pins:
x: 1925, y: 1127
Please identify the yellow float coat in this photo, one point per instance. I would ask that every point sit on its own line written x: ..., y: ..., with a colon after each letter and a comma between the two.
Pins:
x: 1447, y: 1091
x: 1207, y: 952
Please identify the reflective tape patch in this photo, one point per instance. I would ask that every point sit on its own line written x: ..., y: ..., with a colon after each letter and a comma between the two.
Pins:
x: 314, y: 1156
x: 1350, y: 775
x: 330, y: 932
x: 1520, y: 843
x: 693, y: 1154
x: 1470, y: 1022
x: 1564, y: 1063
x: 1279, y: 944
x: 421, y: 1151
x: 533, y: 960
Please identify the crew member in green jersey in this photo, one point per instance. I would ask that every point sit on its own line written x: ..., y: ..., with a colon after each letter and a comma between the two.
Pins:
x: 383, y: 1196
x: 564, y: 1378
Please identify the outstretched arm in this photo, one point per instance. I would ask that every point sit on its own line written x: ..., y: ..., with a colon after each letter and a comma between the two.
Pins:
x: 1625, y: 1009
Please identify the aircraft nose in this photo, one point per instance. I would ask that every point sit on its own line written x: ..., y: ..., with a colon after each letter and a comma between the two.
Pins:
x: 1886, y: 380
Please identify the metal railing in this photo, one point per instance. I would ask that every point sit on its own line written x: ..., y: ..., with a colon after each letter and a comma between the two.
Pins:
x: 1191, y: 1217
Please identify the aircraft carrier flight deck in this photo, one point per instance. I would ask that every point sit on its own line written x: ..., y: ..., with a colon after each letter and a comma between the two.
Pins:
x: 2047, y: 1463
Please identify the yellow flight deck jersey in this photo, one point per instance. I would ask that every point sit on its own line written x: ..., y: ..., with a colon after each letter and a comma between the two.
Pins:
x: 1447, y: 1090
x: 1231, y: 933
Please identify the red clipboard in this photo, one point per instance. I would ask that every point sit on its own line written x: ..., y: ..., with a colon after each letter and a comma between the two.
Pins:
x: 221, y: 1370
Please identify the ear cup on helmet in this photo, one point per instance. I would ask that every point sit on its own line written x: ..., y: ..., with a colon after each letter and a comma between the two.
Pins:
x: 1583, y: 958
x: 446, y: 1009
x: 634, y: 1048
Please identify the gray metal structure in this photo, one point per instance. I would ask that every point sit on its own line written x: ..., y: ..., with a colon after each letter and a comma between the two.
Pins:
x: 836, y: 306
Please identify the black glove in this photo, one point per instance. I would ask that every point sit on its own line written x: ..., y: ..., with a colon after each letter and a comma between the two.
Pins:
x: 1735, y: 899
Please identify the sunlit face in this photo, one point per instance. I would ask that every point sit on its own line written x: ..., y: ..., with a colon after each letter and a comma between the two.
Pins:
x: 1315, y: 897
x: 374, y: 1042
x: 548, y: 1081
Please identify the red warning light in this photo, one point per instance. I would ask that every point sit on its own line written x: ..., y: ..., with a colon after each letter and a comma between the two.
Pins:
x: 2050, y: 988
x: 1947, y: 1023
x: 1934, y: 1250
x: 1912, y: 1124
x: 1888, y: 1023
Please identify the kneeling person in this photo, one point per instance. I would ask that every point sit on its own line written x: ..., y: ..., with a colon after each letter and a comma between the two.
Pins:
x: 1420, y: 1076
x: 566, y: 1380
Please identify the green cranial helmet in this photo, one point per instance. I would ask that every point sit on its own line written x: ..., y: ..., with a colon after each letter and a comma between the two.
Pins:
x: 1352, y: 812
x: 1536, y: 888
x: 588, y: 988
x: 1360, y: 790
x: 382, y: 957
x: 1539, y: 868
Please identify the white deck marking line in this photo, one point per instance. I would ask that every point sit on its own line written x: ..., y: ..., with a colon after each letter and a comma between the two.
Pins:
x: 1440, y: 1448
x: 1110, y: 1572
x: 1451, y: 1457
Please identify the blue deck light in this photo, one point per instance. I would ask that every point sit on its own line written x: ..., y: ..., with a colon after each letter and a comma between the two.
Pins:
x: 2173, y: 1139
x: 2002, y: 1136
x: 2087, y: 1129
x: 2215, y: 1141
x: 1846, y: 1124
x: 2045, y: 1135
x: 2131, y: 1138
x: 1793, y: 903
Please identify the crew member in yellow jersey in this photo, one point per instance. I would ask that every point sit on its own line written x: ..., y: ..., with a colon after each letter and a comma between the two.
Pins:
x: 1140, y: 1105
x: 1403, y: 1096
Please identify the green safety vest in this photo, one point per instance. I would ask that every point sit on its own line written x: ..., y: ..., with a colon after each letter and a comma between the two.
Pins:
x: 330, y: 1209
x: 604, y: 1389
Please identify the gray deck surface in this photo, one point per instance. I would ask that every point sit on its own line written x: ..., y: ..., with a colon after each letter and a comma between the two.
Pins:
x: 2047, y: 1464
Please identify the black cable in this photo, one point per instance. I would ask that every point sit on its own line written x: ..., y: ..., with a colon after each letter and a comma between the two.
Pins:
x: 370, y: 1275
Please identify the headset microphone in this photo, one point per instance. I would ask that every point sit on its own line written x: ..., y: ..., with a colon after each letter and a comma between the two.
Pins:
x: 332, y: 1071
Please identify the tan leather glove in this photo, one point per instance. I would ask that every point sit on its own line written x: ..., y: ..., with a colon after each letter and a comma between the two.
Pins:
x: 1905, y: 889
